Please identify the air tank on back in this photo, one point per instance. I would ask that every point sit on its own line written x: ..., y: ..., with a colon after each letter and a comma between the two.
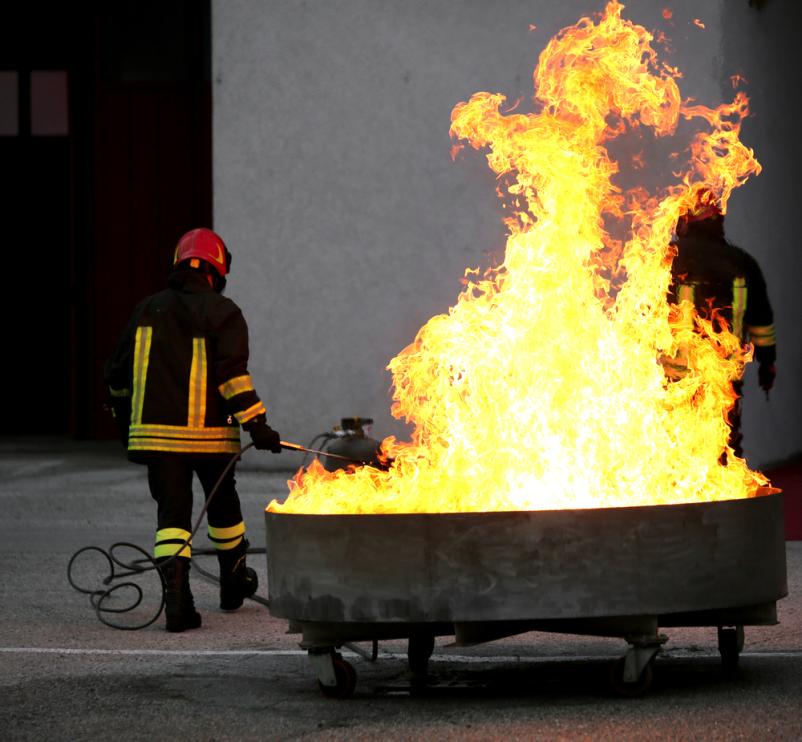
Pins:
x: 352, y: 440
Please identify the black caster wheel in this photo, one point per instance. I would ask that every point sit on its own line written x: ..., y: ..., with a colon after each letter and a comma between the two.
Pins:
x: 634, y: 689
x: 730, y: 644
x: 346, y: 680
x: 419, y: 651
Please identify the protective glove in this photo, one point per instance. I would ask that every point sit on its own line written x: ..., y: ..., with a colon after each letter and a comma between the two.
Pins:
x: 766, y: 373
x: 264, y: 437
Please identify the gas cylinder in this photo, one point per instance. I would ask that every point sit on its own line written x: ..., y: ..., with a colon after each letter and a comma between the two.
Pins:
x: 351, y: 439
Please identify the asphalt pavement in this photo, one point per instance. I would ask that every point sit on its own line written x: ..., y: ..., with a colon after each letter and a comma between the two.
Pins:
x: 66, y: 675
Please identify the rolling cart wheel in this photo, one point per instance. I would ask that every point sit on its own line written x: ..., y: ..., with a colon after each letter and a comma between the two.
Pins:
x: 419, y: 651
x: 346, y: 680
x: 730, y: 644
x: 630, y: 690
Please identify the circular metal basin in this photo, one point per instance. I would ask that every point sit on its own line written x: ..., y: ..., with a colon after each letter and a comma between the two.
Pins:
x: 519, y: 566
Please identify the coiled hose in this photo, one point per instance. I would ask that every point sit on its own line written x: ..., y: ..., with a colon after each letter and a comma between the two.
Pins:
x: 100, y: 597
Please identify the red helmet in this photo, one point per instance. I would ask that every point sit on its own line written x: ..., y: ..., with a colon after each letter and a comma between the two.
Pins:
x: 706, y: 206
x: 205, y: 245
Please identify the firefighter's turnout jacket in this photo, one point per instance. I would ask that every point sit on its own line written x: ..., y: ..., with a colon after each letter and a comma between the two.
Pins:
x: 711, y: 273
x: 179, y: 375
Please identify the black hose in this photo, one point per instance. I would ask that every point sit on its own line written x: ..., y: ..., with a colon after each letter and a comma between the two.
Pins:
x: 99, y: 596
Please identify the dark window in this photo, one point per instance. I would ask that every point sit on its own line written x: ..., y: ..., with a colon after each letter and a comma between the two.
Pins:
x: 49, y: 104
x: 9, y: 104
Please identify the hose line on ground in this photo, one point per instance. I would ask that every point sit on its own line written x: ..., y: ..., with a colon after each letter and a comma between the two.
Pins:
x: 99, y: 597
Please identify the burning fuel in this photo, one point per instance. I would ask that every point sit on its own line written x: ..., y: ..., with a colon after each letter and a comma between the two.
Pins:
x: 545, y: 385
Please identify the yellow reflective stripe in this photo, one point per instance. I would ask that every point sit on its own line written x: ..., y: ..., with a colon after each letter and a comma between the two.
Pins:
x: 119, y: 392
x: 172, y: 533
x: 674, y: 368
x: 224, y: 539
x: 738, y: 306
x: 173, y: 446
x: 141, y: 359
x: 250, y: 413
x: 762, y: 335
x: 179, y: 431
x: 170, y: 540
x: 196, y: 409
x: 223, y: 534
x: 685, y: 293
x: 227, y: 545
x: 238, y: 385
x: 168, y: 550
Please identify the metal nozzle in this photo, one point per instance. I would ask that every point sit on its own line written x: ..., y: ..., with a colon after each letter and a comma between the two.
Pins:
x: 303, y: 449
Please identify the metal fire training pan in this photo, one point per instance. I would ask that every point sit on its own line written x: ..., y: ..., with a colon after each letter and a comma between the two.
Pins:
x: 621, y: 572
x: 448, y: 567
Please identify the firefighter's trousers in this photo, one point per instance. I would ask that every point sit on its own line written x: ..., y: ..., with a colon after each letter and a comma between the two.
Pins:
x: 170, y: 481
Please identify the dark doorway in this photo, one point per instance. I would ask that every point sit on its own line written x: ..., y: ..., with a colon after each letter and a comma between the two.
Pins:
x: 105, y: 140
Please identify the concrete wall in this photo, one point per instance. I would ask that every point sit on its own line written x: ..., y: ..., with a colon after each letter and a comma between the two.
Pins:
x: 351, y: 226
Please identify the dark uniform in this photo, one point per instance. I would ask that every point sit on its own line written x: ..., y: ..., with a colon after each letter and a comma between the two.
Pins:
x: 180, y: 388
x: 181, y: 372
x: 714, y: 275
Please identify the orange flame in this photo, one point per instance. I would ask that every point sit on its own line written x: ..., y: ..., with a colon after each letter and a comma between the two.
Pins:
x: 546, y: 385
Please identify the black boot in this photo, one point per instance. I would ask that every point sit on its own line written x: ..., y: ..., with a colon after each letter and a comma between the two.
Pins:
x: 179, y: 606
x: 237, y: 581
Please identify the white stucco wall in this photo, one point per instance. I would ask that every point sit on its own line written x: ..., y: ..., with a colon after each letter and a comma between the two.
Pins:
x: 351, y: 226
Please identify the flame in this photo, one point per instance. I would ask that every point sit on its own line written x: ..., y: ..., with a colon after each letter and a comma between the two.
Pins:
x: 546, y: 384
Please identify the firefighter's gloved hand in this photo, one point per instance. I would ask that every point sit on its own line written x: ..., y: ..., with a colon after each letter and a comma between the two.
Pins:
x: 264, y: 437
x: 766, y: 373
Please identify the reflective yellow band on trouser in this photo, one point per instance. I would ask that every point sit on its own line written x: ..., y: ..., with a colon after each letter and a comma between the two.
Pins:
x: 119, y: 392
x: 763, y: 335
x: 238, y: 385
x: 224, y: 539
x: 252, y: 412
x: 170, y: 541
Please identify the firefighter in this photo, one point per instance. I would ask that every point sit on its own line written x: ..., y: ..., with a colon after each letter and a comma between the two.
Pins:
x: 715, y: 275
x: 180, y: 390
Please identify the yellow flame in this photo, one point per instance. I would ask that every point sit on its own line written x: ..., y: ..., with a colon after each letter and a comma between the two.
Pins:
x: 545, y: 386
